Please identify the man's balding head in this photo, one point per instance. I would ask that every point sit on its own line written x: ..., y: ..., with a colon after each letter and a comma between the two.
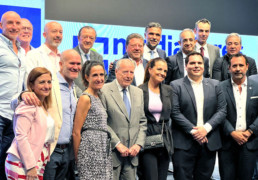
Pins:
x: 53, y: 33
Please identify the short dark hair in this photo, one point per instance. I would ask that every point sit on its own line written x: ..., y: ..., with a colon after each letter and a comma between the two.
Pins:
x: 151, y: 64
x: 202, y: 21
x: 87, y: 67
x: 133, y: 35
x: 238, y: 55
x: 86, y: 27
x: 192, y: 54
x: 153, y: 24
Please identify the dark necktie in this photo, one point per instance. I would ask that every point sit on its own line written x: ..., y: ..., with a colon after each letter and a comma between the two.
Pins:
x: 151, y: 54
x: 87, y: 57
x: 202, y: 51
x: 127, y: 103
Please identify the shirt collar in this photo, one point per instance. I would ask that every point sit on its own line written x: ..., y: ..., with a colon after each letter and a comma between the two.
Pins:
x: 147, y: 49
x: 62, y: 80
x: 198, y: 46
x: 49, y: 51
x: 82, y: 52
x: 193, y: 82
x: 244, y: 83
x: 9, y: 42
x: 120, y: 88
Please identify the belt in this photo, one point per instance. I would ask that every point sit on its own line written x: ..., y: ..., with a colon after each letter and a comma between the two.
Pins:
x: 62, y: 146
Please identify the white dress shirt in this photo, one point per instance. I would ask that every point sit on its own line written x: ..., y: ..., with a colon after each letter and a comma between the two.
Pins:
x: 83, y: 55
x: 205, y: 49
x: 240, y: 99
x: 147, y: 53
x: 139, y: 73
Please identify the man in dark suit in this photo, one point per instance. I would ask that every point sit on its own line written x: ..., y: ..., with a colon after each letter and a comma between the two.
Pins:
x: 220, y: 69
x: 176, y: 69
x: 202, y: 31
x: 126, y: 121
x: 239, y: 138
x: 86, y: 38
x: 153, y: 35
x: 199, y: 108
x: 134, y: 49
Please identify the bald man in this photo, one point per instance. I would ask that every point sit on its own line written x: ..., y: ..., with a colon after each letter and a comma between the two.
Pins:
x: 25, y: 35
x: 12, y: 69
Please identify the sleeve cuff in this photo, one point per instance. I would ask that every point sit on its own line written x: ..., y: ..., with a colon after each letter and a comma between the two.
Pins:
x: 207, y: 127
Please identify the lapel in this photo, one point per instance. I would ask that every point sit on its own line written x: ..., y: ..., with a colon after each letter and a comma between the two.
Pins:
x: 189, y: 89
x: 92, y: 55
x: 164, y: 96
x: 249, y: 93
x: 180, y: 62
x: 118, y: 99
x: 210, y: 52
x: 206, y: 92
x: 144, y: 63
x: 231, y: 93
x: 57, y: 95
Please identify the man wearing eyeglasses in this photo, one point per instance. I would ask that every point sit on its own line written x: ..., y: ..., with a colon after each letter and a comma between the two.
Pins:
x: 134, y: 50
x: 202, y: 32
x: 25, y: 35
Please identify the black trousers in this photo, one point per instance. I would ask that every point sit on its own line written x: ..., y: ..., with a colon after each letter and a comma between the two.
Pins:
x: 153, y: 164
x: 196, y: 163
x: 237, y: 162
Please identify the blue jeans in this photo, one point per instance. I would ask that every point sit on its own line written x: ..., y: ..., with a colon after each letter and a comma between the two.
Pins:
x: 6, y: 137
x: 57, y: 167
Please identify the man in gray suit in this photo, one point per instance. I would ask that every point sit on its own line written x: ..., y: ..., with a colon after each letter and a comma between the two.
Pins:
x: 202, y: 31
x: 86, y: 38
x: 198, y: 110
x: 126, y: 120
x: 238, y: 153
x: 153, y: 35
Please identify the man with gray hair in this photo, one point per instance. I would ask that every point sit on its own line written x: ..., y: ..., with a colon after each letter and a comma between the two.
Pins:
x: 202, y: 31
x: 153, y: 35
x: 126, y: 121
x: 176, y: 63
x: 134, y: 49
x: 220, y: 69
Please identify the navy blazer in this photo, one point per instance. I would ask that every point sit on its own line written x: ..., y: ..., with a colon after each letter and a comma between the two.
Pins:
x: 112, y: 74
x: 176, y: 67
x: 251, y: 113
x: 184, y: 113
x: 154, y: 127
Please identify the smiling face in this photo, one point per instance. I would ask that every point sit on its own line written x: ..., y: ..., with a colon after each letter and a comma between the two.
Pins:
x: 152, y: 36
x: 202, y: 32
x: 134, y: 49
x: 96, y: 77
x: 70, y: 65
x: 125, y: 73
x: 53, y: 33
x: 42, y: 86
x: 26, y: 32
x: 195, y: 67
x: 238, y: 69
x: 233, y: 45
x: 158, y: 72
x: 86, y: 39
x: 187, y: 42
x: 11, y: 25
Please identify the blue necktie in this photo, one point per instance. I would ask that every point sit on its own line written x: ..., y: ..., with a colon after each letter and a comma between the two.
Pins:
x: 87, y: 57
x: 152, y: 54
x: 127, y: 103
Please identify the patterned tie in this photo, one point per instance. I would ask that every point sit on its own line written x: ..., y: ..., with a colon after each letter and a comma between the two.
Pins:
x: 202, y: 51
x: 87, y: 57
x: 151, y: 54
x: 127, y: 103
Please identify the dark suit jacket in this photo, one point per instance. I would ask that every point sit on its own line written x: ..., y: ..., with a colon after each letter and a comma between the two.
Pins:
x: 251, y: 113
x: 184, y: 113
x: 112, y: 74
x: 176, y: 67
x: 154, y: 127
x: 78, y: 81
x: 127, y: 131
x: 220, y: 68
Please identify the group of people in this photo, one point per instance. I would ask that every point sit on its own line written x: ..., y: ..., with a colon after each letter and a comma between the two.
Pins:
x: 61, y: 113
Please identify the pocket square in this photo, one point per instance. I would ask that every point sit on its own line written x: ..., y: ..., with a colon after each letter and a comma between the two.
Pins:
x: 254, y: 97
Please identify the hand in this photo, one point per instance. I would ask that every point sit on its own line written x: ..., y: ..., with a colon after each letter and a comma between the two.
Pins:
x: 30, y: 98
x: 204, y: 140
x: 32, y: 174
x: 199, y: 133
x: 134, y: 150
x: 239, y: 137
x: 247, y: 134
x: 124, y: 151
x: 110, y: 66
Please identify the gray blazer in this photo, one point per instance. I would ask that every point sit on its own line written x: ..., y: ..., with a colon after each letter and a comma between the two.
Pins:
x: 214, y: 53
x: 80, y: 87
x: 184, y: 112
x: 162, y: 53
x: 127, y: 131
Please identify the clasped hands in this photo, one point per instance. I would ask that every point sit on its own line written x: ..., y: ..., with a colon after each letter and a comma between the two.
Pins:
x: 199, y: 134
x: 241, y: 137
x: 132, y: 151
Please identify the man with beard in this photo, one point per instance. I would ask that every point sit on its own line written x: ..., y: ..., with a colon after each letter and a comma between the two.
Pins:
x: 239, y: 138
x: 134, y: 49
x: 176, y: 69
x: 25, y: 35
x: 202, y: 31
x: 47, y: 55
x: 220, y: 69
x: 153, y: 35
